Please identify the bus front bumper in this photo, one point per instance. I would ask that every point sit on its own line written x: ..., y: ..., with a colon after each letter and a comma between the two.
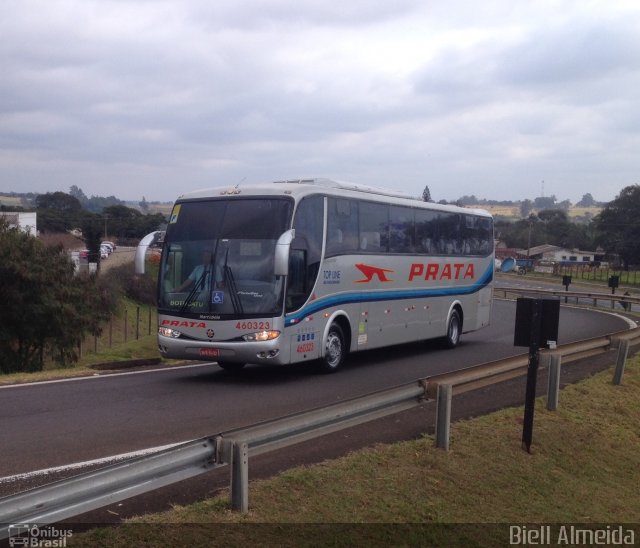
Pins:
x: 267, y: 352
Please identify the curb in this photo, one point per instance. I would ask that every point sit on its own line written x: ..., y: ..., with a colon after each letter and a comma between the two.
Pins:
x: 124, y: 364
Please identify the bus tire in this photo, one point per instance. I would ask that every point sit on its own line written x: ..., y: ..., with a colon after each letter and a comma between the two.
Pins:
x: 231, y: 366
x: 335, y: 350
x: 454, y: 329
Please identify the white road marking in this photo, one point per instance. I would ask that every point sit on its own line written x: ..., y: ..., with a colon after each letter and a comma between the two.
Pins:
x: 79, y: 465
x: 107, y: 375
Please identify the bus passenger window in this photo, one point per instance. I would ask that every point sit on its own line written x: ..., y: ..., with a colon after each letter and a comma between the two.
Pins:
x: 296, y: 290
x: 342, y: 221
x: 306, y: 250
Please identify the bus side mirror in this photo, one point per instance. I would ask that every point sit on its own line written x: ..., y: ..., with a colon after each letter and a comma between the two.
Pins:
x: 141, y: 250
x: 283, y: 246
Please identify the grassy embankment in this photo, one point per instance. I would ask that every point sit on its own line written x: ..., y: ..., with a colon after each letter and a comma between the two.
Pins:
x: 113, y: 345
x: 584, y: 468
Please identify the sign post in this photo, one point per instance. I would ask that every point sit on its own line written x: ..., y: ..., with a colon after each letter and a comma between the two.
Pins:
x: 536, y: 326
x: 614, y: 281
x: 566, y: 281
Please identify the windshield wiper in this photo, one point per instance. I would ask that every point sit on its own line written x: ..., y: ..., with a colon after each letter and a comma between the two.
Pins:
x: 197, y: 287
x: 231, y: 282
x: 233, y: 290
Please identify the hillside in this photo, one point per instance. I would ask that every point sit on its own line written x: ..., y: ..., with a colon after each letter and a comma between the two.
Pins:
x: 506, y: 211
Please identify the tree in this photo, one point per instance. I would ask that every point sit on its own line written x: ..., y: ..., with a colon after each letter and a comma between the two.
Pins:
x: 618, y: 226
x: 58, y: 201
x: 58, y: 212
x: 92, y: 232
x: 426, y: 194
x: 526, y: 207
x: 77, y: 193
x: 586, y: 201
x: 97, y: 204
x: 469, y: 200
x: 550, y: 226
x: 522, y: 233
x: 545, y: 202
x: 128, y: 223
x: 46, y: 309
x: 556, y: 228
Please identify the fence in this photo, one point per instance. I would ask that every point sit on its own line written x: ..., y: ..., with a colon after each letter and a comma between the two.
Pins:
x: 133, y: 323
x: 70, y: 497
x: 625, y: 302
x: 594, y: 273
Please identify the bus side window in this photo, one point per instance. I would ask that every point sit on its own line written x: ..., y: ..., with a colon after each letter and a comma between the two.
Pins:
x: 296, y: 290
x: 370, y: 241
x: 342, y: 229
x: 427, y: 239
x: 306, y: 249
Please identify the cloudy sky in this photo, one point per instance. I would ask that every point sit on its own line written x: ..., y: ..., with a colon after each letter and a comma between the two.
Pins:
x: 502, y: 99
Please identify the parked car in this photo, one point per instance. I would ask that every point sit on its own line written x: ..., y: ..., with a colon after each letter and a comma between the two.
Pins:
x: 109, y: 244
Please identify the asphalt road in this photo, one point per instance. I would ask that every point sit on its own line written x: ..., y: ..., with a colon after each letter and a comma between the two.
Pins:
x: 55, y: 424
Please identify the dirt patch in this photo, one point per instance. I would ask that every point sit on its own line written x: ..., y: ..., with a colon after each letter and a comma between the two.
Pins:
x: 67, y: 241
x: 122, y: 255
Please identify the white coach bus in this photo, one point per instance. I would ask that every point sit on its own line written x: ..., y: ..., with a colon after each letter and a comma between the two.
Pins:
x: 293, y: 271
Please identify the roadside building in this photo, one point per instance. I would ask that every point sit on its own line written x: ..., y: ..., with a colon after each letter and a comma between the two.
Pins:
x: 24, y: 220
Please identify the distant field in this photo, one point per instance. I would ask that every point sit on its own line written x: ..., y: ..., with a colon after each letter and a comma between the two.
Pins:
x: 514, y: 211
x: 582, y: 211
x: 165, y: 209
x: 11, y: 201
x: 502, y: 211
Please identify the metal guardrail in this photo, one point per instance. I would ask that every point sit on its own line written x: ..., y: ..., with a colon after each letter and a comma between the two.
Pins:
x: 443, y: 387
x: 73, y: 496
x: 593, y: 296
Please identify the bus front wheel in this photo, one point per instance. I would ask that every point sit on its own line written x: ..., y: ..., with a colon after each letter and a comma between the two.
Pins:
x: 454, y: 329
x: 335, y: 352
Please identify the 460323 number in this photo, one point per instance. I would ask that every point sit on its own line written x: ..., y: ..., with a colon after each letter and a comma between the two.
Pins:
x: 253, y: 325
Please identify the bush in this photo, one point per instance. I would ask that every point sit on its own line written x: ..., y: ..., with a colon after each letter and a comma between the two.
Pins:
x: 47, y: 309
x: 139, y: 288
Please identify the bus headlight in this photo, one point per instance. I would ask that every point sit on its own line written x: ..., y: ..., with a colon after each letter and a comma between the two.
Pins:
x: 261, y: 336
x: 168, y: 332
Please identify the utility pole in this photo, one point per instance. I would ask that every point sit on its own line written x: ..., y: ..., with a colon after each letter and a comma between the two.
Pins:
x: 529, y: 237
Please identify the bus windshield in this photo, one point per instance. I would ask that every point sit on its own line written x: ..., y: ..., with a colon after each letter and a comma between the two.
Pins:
x: 218, y: 257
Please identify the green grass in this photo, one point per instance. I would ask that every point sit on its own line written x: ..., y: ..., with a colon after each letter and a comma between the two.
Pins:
x: 113, y: 345
x: 584, y: 468
x: 145, y: 347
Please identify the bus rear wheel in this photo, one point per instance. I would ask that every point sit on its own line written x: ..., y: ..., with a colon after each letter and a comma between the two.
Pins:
x: 454, y: 329
x: 335, y: 350
x: 231, y: 366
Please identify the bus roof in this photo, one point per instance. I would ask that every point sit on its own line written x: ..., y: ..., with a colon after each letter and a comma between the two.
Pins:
x: 302, y: 187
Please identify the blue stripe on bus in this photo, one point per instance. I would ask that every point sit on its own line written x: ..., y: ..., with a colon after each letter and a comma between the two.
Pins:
x: 359, y: 297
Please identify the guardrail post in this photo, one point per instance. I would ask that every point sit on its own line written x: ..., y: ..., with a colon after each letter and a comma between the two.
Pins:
x: 240, y: 476
x: 623, y: 351
x: 553, y: 388
x: 443, y: 416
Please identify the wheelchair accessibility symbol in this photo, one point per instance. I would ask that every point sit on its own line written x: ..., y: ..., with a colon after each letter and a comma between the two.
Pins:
x: 217, y: 297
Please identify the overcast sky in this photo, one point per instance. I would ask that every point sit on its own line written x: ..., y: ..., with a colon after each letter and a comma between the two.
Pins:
x: 503, y: 99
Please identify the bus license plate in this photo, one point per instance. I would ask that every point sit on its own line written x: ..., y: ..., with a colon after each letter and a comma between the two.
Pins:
x: 210, y: 352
